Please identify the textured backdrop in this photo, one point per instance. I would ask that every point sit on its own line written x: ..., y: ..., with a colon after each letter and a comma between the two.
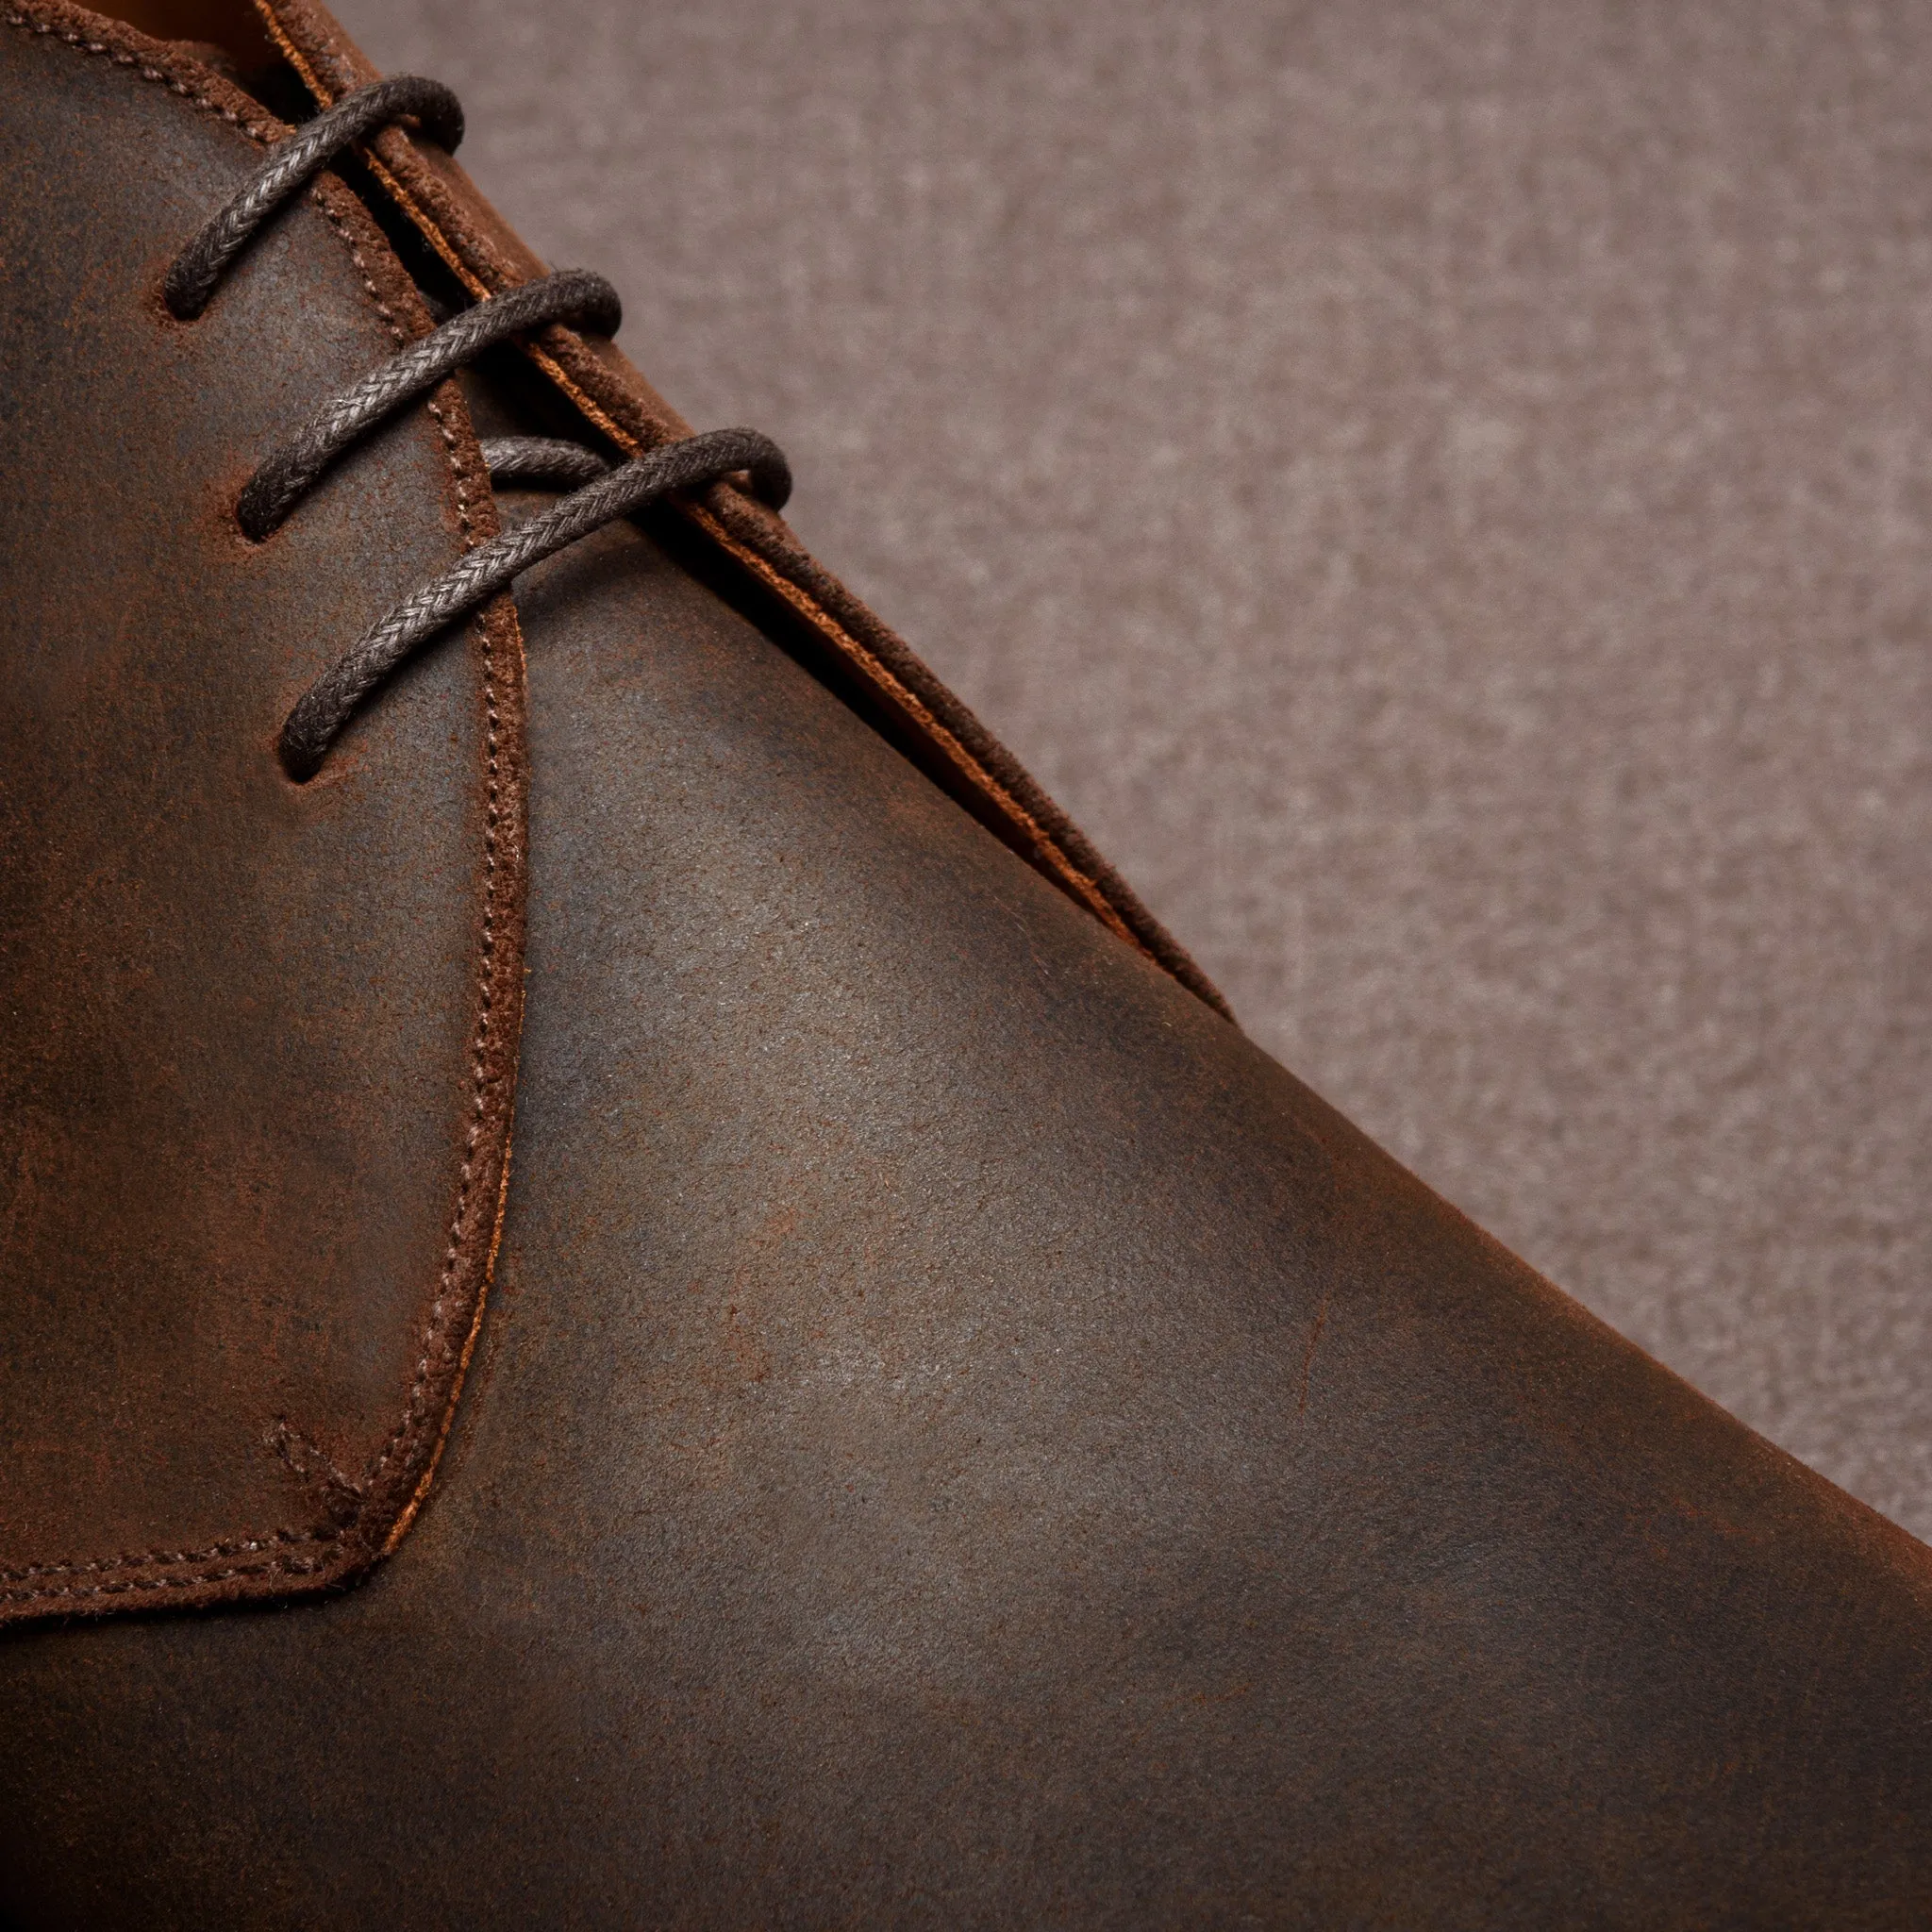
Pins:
x: 1440, y: 490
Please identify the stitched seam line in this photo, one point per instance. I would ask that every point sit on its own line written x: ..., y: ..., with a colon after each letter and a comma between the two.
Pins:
x: 290, y: 1566
x: 438, y: 1309
x: 240, y: 1547
x: 122, y: 57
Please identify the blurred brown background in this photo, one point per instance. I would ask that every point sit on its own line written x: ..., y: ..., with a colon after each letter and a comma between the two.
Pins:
x: 1442, y: 492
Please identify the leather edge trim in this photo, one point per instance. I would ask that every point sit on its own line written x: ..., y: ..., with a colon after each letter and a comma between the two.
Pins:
x: 371, y: 1515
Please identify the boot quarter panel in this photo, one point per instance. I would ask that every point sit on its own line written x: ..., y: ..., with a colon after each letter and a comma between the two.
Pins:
x: 258, y: 1037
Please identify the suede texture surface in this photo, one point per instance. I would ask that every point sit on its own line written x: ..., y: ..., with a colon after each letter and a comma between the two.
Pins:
x: 1440, y: 491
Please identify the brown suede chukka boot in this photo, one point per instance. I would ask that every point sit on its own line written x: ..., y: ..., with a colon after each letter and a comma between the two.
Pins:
x: 932, y: 1426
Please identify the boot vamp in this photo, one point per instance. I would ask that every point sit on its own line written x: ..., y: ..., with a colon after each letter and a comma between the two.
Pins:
x: 962, y: 1436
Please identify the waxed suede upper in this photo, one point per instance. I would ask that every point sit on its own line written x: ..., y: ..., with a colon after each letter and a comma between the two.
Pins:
x: 958, y: 1435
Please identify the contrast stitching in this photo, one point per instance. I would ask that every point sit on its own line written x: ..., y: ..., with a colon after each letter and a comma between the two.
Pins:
x: 437, y: 1313
x: 309, y: 1460
x: 289, y: 1566
x: 122, y: 57
x: 241, y: 1547
x: 485, y: 1017
x: 381, y: 308
x: 438, y: 1309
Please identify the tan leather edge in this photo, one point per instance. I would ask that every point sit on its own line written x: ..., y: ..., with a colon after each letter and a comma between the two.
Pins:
x: 357, y: 1518
x: 439, y: 198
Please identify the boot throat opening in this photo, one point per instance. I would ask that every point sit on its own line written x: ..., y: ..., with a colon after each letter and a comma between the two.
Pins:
x: 227, y: 35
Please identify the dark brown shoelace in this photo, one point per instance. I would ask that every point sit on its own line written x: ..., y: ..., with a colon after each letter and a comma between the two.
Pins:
x: 600, y: 493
